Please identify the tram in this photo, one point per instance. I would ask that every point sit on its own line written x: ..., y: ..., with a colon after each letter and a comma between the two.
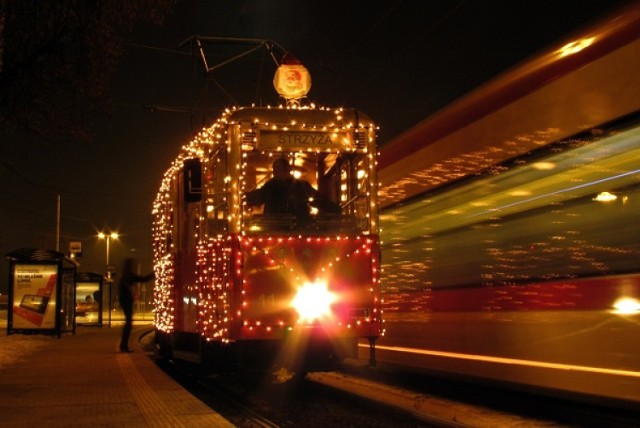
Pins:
x: 510, y: 226
x: 237, y: 280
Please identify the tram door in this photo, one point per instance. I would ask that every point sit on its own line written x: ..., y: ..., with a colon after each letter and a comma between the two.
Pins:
x: 186, y: 225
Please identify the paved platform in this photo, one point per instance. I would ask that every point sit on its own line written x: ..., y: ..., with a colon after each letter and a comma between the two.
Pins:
x: 82, y: 380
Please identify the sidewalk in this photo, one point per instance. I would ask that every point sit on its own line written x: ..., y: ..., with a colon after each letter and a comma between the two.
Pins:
x: 82, y: 380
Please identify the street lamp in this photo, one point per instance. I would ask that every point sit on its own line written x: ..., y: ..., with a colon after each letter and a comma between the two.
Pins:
x: 108, y: 237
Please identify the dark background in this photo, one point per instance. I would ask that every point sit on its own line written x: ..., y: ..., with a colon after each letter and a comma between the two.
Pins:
x: 398, y: 61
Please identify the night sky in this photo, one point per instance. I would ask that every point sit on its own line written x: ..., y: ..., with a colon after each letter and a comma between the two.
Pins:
x: 398, y: 61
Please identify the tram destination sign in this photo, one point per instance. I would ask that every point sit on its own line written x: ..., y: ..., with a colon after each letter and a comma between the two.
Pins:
x: 303, y: 140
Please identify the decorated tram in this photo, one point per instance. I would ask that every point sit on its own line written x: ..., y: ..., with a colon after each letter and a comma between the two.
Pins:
x: 237, y: 282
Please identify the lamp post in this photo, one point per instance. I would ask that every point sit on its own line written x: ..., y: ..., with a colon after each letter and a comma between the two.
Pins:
x: 108, y: 237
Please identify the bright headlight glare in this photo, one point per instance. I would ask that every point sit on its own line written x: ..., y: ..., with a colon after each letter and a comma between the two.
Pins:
x: 313, y: 301
x: 626, y: 306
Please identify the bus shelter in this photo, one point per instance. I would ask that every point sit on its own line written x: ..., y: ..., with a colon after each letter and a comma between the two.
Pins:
x: 93, y: 299
x: 41, y: 292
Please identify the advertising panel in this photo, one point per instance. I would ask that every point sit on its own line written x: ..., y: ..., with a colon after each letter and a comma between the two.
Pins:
x: 88, y: 298
x: 34, y: 296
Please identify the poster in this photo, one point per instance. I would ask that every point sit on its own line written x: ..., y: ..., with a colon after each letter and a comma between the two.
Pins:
x: 88, y: 300
x: 34, y: 296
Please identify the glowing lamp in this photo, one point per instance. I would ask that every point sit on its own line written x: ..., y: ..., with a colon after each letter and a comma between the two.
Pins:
x: 313, y: 301
x: 626, y: 306
x: 292, y: 80
x: 575, y: 46
x: 605, y: 197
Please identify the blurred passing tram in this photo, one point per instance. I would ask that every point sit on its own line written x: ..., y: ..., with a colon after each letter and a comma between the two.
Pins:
x: 510, y: 225
x: 237, y: 284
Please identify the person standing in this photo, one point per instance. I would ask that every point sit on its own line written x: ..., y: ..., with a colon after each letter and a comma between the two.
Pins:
x: 284, y: 194
x: 126, y: 295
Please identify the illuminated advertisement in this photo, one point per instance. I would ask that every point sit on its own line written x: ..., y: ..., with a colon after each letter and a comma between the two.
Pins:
x: 34, y: 296
x: 88, y: 302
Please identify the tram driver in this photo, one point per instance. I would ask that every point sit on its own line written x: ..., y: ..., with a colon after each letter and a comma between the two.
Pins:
x: 284, y: 194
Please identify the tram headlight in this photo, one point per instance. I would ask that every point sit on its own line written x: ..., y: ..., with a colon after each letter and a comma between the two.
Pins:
x: 313, y: 301
x: 626, y: 306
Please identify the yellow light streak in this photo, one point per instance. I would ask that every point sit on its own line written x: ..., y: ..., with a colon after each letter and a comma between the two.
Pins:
x: 575, y: 46
x: 509, y: 361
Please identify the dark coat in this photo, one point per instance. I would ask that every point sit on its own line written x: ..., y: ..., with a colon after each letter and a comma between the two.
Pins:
x: 125, y: 286
x: 290, y: 196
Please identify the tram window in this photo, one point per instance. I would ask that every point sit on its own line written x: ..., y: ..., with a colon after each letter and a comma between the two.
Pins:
x: 354, y: 187
x: 192, y: 221
x: 336, y: 178
x: 192, y: 170
x: 217, y: 193
x: 216, y: 220
x: 177, y: 187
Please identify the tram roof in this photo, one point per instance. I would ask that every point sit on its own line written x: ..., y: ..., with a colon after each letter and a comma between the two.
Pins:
x: 301, y: 115
x: 553, y: 96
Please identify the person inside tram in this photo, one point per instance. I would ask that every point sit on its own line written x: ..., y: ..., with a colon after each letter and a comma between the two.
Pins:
x: 284, y: 194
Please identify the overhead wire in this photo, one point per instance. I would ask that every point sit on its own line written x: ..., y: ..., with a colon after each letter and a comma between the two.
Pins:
x: 410, y: 46
x: 197, y: 43
x: 366, y: 34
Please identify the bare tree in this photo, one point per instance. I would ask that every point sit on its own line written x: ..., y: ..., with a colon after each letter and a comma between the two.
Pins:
x: 56, y: 57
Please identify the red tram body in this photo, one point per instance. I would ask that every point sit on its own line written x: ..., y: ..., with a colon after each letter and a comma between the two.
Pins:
x: 233, y: 279
x: 510, y: 225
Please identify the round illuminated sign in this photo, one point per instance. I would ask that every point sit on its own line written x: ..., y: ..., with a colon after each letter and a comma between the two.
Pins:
x: 292, y: 80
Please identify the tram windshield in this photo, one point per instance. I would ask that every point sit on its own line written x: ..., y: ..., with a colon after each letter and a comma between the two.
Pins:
x: 305, y: 192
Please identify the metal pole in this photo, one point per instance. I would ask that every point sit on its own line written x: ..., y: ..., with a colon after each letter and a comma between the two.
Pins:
x: 58, y: 225
x: 107, y: 265
x: 108, y: 239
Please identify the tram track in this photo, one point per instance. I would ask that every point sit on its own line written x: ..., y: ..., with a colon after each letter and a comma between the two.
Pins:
x: 211, y: 392
x: 260, y: 400
x: 302, y: 401
x: 239, y: 410
x: 342, y: 398
x: 215, y: 393
x: 251, y: 400
x: 354, y: 395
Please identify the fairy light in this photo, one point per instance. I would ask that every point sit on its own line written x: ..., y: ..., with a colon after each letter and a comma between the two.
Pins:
x: 349, y: 254
x: 223, y: 288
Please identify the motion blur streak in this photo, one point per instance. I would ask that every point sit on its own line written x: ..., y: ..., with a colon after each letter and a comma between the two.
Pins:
x: 510, y: 226
x: 489, y: 359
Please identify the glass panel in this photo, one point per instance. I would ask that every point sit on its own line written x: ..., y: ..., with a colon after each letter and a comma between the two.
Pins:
x: 319, y: 193
x: 216, y: 175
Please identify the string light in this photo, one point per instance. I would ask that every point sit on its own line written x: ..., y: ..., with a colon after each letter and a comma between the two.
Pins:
x: 228, y: 264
